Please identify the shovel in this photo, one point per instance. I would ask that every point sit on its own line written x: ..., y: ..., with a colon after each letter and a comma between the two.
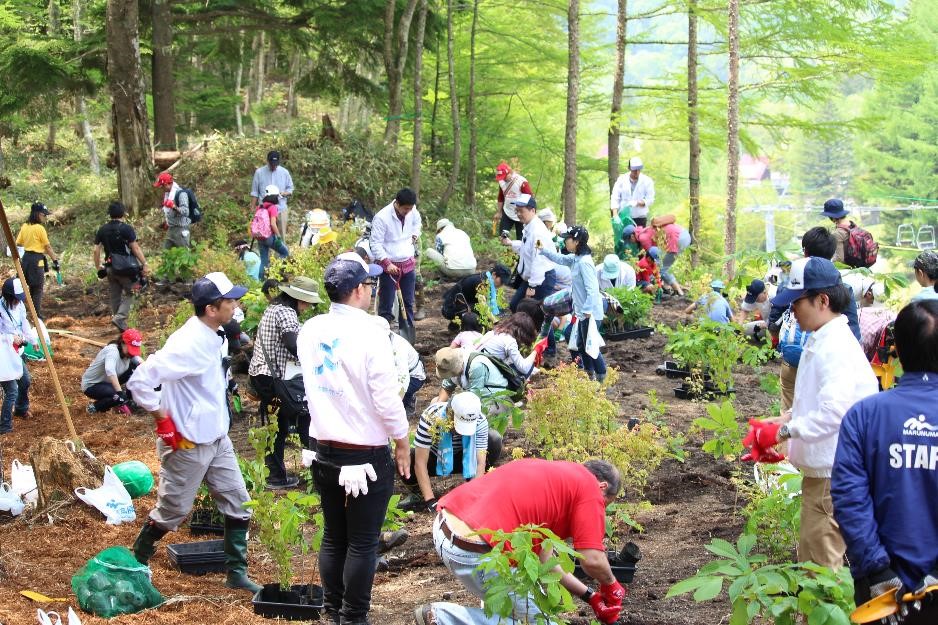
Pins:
x: 885, y: 605
x: 407, y: 329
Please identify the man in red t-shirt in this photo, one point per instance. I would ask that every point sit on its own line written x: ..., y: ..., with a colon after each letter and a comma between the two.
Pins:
x: 567, y: 498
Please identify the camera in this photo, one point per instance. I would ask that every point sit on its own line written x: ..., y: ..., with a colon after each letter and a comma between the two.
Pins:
x: 505, y: 234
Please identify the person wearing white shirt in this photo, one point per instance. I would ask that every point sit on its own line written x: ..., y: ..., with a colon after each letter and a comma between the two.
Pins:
x: 453, y: 255
x: 394, y: 233
x: 538, y: 276
x: 353, y: 393
x: 615, y: 273
x: 192, y: 418
x: 833, y: 374
x: 633, y: 191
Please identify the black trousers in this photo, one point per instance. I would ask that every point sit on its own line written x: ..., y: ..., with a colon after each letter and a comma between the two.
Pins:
x: 104, y: 394
x: 264, y: 388
x: 34, y: 269
x: 352, y: 525
x: 493, y: 454
x: 507, y: 223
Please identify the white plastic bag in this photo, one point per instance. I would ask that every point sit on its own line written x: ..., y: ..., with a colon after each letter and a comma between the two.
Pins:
x: 23, y: 481
x: 45, y: 618
x: 10, y: 501
x: 112, y: 499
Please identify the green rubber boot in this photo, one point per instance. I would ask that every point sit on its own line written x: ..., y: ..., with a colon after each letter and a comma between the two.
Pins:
x: 144, y: 546
x: 236, y: 555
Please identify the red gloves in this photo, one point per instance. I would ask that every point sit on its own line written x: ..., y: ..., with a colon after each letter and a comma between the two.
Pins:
x: 169, y: 204
x: 760, y: 440
x: 605, y: 613
x: 538, y: 349
x: 613, y: 593
x: 166, y: 430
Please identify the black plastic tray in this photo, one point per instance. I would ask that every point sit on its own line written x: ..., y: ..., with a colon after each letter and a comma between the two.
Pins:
x: 200, y: 523
x: 636, y: 333
x: 271, y: 602
x: 683, y: 392
x: 207, y: 556
x: 674, y: 371
x: 623, y: 572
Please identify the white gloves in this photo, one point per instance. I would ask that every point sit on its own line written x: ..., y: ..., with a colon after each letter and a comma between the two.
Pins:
x: 355, y: 478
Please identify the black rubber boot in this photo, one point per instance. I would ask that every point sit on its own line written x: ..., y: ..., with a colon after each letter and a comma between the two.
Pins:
x: 144, y: 546
x: 236, y: 555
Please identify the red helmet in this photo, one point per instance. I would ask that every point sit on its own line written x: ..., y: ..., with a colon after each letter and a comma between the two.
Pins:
x: 163, y: 179
x: 132, y: 339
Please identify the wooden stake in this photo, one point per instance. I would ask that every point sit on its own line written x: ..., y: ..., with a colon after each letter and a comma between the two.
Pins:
x: 35, y: 317
x: 72, y: 335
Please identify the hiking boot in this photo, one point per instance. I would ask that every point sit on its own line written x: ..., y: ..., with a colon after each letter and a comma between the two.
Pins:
x: 120, y: 324
x: 236, y: 555
x: 390, y: 540
x: 144, y: 547
x: 549, y: 361
x: 382, y: 565
x: 423, y: 615
x: 289, y: 481
x: 91, y: 409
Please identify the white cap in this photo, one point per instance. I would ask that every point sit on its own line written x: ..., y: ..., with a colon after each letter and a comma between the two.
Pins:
x: 546, y: 214
x: 467, y: 410
x: 635, y: 163
x: 442, y: 223
x: 271, y: 189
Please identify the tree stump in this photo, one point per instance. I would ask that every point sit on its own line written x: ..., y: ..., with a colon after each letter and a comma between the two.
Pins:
x: 60, y: 470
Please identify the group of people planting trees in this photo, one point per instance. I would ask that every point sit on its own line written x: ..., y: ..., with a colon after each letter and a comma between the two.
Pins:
x: 868, y: 457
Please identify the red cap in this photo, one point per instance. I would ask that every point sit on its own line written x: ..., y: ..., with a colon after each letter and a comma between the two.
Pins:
x: 502, y: 171
x: 163, y: 178
x: 132, y: 339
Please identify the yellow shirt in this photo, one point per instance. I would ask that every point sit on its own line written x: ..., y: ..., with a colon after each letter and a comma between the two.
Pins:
x: 33, y: 238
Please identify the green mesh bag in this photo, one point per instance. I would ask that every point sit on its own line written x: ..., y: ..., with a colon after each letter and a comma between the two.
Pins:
x: 113, y: 583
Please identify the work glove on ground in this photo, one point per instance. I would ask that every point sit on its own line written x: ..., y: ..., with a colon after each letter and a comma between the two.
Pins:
x: 166, y: 430
x: 613, y: 593
x: 354, y: 478
x: 604, y: 612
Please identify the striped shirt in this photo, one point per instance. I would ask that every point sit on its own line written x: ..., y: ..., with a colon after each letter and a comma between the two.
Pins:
x: 426, y: 433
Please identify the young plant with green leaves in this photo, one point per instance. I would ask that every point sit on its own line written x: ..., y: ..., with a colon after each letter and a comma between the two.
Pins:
x: 726, y: 432
x: 773, y: 511
x: 178, y: 264
x: 518, y: 584
x: 634, y: 306
x: 779, y: 593
x: 502, y: 409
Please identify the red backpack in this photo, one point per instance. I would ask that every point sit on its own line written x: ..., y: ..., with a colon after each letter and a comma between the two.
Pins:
x: 860, y: 250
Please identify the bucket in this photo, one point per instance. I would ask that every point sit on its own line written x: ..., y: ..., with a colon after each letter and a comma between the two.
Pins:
x: 136, y: 477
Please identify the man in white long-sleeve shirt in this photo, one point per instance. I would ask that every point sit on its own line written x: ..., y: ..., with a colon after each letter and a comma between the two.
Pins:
x: 191, y: 414
x: 538, y: 274
x: 833, y: 374
x: 394, y: 233
x: 354, y: 403
x: 634, y: 192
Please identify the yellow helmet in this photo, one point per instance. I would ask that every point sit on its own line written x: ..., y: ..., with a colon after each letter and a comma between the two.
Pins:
x: 318, y: 218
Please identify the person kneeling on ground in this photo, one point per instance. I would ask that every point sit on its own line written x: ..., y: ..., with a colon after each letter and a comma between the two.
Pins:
x: 459, y: 368
x: 713, y: 305
x: 648, y: 275
x: 110, y: 369
x: 452, y: 254
x: 567, y: 498
x: 504, y: 339
x: 445, y: 431
x: 461, y: 298
x: 470, y: 331
x: 755, y: 309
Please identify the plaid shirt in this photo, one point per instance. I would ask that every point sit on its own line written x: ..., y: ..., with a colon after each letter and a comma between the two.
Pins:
x: 277, y: 319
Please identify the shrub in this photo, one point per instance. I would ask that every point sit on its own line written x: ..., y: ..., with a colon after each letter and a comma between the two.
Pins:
x: 178, y: 264
x: 727, y: 434
x: 634, y: 308
x: 183, y: 311
x: 773, y: 513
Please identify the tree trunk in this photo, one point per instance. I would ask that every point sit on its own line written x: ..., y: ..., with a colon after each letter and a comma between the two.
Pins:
x: 434, y: 155
x: 454, y: 105
x: 693, y: 132
x: 471, y: 112
x: 128, y: 106
x: 417, y: 157
x: 396, y: 42
x: 55, y: 26
x: 239, y: 73
x: 164, y: 106
x: 295, y: 64
x: 573, y: 90
x: 260, y: 74
x: 617, y: 85
x: 80, y: 106
x: 732, y: 138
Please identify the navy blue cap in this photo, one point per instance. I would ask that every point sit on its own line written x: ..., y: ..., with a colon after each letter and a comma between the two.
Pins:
x: 807, y: 274
x: 215, y: 285
x: 347, y: 270
x: 754, y: 290
x: 39, y: 207
x: 834, y: 209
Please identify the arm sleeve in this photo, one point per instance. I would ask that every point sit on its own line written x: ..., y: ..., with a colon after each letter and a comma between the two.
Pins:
x: 256, y: 190
x: 526, y: 188
x: 289, y: 187
x: 840, y: 239
x: 111, y: 360
x: 615, y: 198
x: 383, y: 386
x: 833, y: 400
x: 422, y: 438
x: 516, y: 246
x: 853, y: 318
x: 289, y: 341
x: 418, y: 223
x: 514, y: 357
x: 19, y: 236
x: 173, y: 362
x: 591, y: 283
x: 559, y: 259
x: 182, y: 202
x: 482, y: 435
x: 378, y: 232
x: 650, y: 194
x: 853, y: 502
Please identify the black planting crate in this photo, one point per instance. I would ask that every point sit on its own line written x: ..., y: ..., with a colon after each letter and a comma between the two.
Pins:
x: 303, y: 602
x: 633, y: 333
x: 207, y: 556
x: 624, y: 572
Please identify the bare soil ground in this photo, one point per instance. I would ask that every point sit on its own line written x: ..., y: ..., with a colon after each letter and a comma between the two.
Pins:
x: 692, y: 502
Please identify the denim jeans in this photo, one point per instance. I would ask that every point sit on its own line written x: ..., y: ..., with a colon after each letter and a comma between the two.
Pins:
x: 410, y: 396
x: 387, y: 294
x: 10, y: 391
x: 464, y: 565
x: 270, y: 243
x: 592, y: 366
x: 352, y: 525
x: 22, y: 396
x: 541, y: 291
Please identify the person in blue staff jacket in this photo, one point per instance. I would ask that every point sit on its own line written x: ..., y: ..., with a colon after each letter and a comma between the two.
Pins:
x: 885, y: 474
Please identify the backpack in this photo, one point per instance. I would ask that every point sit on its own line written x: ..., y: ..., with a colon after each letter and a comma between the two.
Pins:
x: 195, y: 211
x: 663, y: 220
x: 791, y: 338
x: 860, y: 249
x: 512, y: 376
x: 260, y: 225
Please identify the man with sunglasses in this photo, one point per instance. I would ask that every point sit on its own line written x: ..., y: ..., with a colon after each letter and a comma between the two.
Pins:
x: 354, y: 403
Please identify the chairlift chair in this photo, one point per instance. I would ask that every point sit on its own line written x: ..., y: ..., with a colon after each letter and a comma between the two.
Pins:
x: 926, y: 237
x: 905, y: 236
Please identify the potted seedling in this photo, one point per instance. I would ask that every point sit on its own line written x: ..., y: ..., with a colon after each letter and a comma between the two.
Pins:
x: 622, y: 561
x: 205, y: 517
x: 280, y: 521
x: 627, y: 314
